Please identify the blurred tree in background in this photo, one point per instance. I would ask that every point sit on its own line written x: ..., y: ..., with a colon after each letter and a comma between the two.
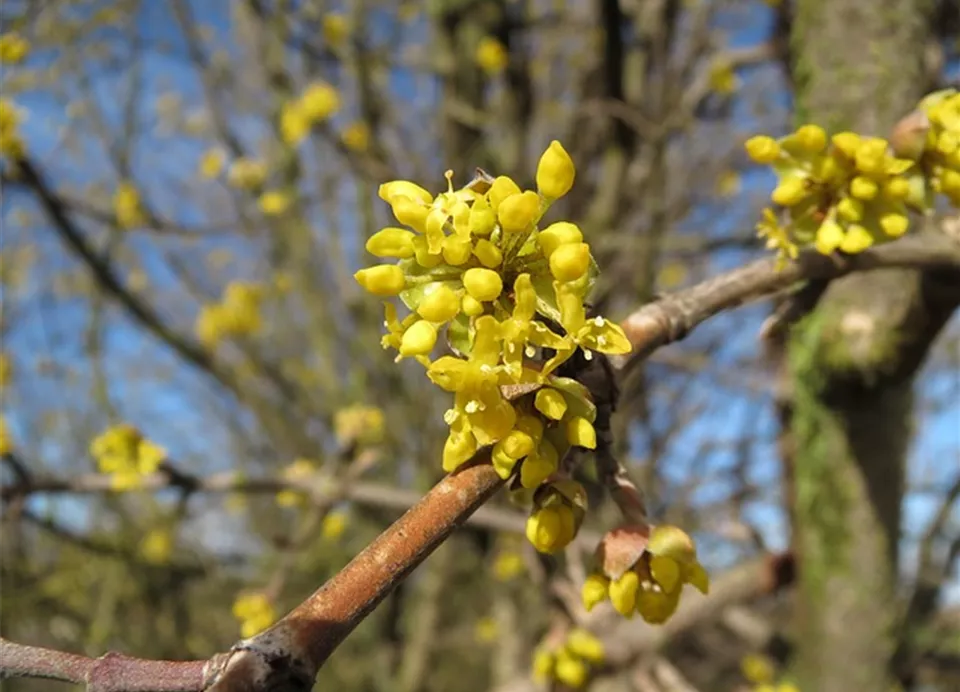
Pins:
x: 178, y: 250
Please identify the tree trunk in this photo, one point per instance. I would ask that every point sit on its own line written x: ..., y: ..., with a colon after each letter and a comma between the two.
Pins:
x: 857, y: 66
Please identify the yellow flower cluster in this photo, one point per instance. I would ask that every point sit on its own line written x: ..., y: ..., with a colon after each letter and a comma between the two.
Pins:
x: 651, y: 585
x: 317, y: 103
x: 568, y: 661
x: 238, y: 314
x: 475, y: 263
x: 124, y: 453
x: 255, y: 613
x: 211, y: 163
x: 127, y: 206
x: 275, y: 202
x: 363, y: 425
x: 10, y: 142
x: 848, y: 192
x: 13, y: 48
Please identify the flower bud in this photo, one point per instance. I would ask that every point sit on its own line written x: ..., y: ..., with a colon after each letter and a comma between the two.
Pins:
x: 421, y: 251
x: 488, y: 253
x: 656, y: 607
x: 419, y: 339
x: 829, y: 237
x: 555, y: 172
x: 410, y: 213
x: 570, y: 261
x: 762, y: 149
x: 545, y: 529
x: 847, y: 143
x: 623, y: 593
x: 456, y: 250
x: 517, y: 213
x: 391, y: 242
x: 581, y: 433
x: 586, y: 645
x: 483, y: 284
x: 850, y: 209
x: 531, y: 425
x: 388, y: 192
x: 789, y: 192
x: 543, y: 665
x: 540, y: 466
x: 570, y: 670
x: 894, y: 224
x: 550, y: 403
x: 857, y: 239
x: 482, y: 218
x: 382, y: 280
x: 557, y: 234
x: 863, y: 188
x: 471, y: 306
x: 458, y: 449
x: 811, y: 138
x: 439, y: 305
x: 672, y: 542
x: 501, y: 188
x: 595, y: 590
x: 665, y: 571
x: 871, y: 155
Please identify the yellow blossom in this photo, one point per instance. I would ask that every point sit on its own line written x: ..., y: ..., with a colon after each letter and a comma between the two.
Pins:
x: 570, y: 261
x: 320, y: 101
x: 334, y: 524
x: 382, y: 280
x: 126, y: 454
x: 157, y: 546
x: 361, y: 424
x: 555, y: 172
x: 356, y: 136
x: 274, y: 202
x: 757, y: 668
x: 335, y: 29
x: 211, y: 163
x: 483, y: 284
x: 508, y: 564
x: 13, y: 48
x: 557, y: 234
x: 246, y: 174
x: 126, y: 206
x: 722, y: 78
x: 6, y: 439
x: 491, y: 55
x: 294, y: 122
x: 255, y: 613
x: 518, y: 212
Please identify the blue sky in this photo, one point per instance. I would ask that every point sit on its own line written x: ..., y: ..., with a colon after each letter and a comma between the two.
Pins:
x: 166, y: 408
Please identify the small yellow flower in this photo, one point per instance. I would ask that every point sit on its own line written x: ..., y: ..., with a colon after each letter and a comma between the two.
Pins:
x: 491, y: 55
x: 550, y: 403
x: 255, y: 613
x: 488, y: 253
x: 361, y: 424
x: 581, y: 433
x: 596, y: 589
x: 274, y: 202
x: 246, y: 174
x: 544, y: 663
x: 294, y: 122
x: 570, y: 261
x: 790, y: 191
x: 157, y: 546
x: 551, y: 529
x: 6, y: 439
x: 555, y: 172
x: 570, y: 670
x: 722, y: 78
x: 320, y: 101
x: 299, y: 470
x: 483, y: 284
x: 123, y: 452
x: 441, y: 304
x: 391, y: 242
x: 126, y: 206
x: 13, y: 48
x: 382, y: 280
x: 585, y: 645
x: 486, y: 630
x: 758, y: 668
x: 501, y: 188
x: 419, y: 339
x: 356, y: 136
x: 762, y: 149
x: 517, y: 213
x: 508, y: 565
x: 211, y: 163
x: 334, y: 524
x: 335, y: 29
x: 557, y: 234
x: 623, y: 593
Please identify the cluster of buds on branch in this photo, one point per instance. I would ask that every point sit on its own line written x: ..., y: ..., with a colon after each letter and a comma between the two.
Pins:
x: 848, y: 192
